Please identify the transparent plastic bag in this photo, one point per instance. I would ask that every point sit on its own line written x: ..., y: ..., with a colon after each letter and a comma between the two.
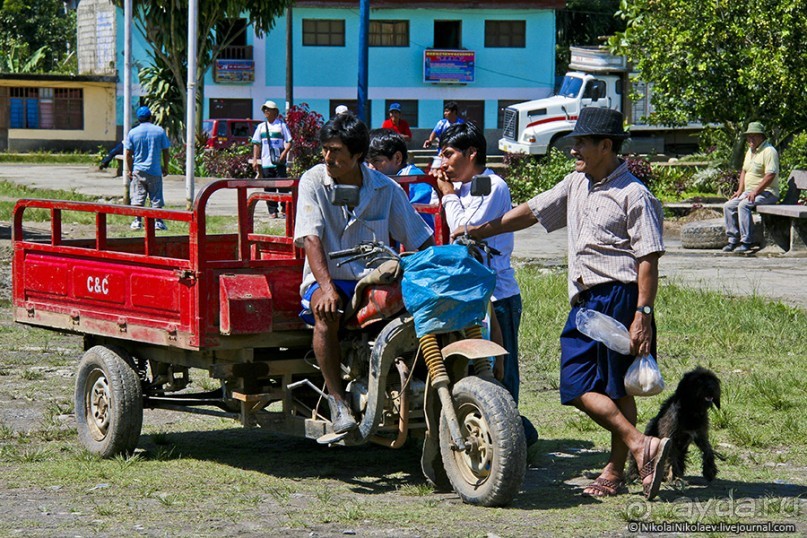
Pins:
x: 643, y: 377
x: 605, y: 329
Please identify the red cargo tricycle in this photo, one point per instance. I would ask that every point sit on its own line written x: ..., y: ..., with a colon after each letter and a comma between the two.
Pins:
x: 154, y: 308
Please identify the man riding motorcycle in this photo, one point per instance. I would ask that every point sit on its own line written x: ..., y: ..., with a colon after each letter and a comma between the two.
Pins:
x: 383, y: 211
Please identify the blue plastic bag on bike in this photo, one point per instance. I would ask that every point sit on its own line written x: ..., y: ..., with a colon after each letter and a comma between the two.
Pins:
x: 446, y: 289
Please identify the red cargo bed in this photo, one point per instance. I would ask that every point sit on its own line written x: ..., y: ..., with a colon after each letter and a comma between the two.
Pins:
x: 191, y: 292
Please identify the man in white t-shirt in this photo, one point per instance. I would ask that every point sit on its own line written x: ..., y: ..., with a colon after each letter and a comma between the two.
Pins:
x: 270, y: 147
x: 464, y: 155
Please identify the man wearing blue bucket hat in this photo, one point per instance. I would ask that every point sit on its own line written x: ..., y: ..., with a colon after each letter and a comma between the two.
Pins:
x: 614, y: 242
x: 145, y: 145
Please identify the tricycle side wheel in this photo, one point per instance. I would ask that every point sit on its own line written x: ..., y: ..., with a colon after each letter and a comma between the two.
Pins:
x: 109, y: 402
x: 491, y: 471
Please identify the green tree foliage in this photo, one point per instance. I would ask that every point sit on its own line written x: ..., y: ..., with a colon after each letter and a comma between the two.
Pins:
x: 164, y: 23
x: 165, y: 98
x: 37, y: 36
x: 720, y: 61
x: 526, y: 176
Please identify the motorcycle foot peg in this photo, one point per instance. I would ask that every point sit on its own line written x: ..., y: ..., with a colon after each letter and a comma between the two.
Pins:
x: 331, y: 438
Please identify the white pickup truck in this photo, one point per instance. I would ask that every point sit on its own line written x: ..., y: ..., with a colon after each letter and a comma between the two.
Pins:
x: 597, y: 79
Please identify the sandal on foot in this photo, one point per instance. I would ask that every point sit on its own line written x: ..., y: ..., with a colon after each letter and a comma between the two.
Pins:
x: 653, y: 467
x: 602, y: 487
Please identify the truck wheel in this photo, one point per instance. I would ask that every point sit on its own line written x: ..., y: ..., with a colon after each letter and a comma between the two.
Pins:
x: 109, y: 402
x: 491, y: 471
x: 562, y: 144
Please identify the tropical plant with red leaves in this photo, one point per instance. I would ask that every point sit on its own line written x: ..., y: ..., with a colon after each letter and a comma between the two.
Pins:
x: 304, y: 125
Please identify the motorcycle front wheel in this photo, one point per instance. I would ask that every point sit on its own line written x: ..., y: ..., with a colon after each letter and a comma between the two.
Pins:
x: 490, y: 472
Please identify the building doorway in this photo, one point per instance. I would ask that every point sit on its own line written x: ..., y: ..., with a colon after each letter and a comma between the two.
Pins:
x: 448, y: 34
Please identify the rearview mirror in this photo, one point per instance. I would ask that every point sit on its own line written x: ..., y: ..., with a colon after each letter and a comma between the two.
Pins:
x: 345, y: 195
x: 480, y: 185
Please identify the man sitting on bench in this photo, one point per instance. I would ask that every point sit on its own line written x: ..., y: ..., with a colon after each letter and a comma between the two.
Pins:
x: 759, y: 185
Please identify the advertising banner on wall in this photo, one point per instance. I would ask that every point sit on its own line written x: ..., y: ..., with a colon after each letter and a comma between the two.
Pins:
x: 234, y: 71
x: 448, y: 66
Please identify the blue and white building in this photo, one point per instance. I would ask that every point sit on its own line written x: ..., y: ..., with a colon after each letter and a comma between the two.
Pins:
x: 483, y: 55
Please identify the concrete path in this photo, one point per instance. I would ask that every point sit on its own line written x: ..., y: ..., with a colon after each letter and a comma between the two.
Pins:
x: 780, y: 278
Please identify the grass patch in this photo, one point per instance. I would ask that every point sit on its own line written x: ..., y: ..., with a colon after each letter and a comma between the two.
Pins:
x: 9, y: 189
x: 33, y: 375
x: 45, y: 157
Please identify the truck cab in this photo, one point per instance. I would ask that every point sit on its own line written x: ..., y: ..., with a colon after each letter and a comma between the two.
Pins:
x: 597, y: 79
x: 536, y: 126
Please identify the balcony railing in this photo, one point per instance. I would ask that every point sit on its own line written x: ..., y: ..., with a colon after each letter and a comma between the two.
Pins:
x: 236, y: 53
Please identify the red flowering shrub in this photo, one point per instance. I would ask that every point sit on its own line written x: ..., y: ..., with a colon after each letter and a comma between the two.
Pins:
x: 640, y: 168
x: 304, y: 125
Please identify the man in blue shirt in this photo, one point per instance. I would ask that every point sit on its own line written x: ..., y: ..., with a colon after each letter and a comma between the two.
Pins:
x: 144, y: 146
x: 388, y: 155
x: 450, y: 117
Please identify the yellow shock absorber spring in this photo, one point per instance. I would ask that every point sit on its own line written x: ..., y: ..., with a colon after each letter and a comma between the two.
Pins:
x: 481, y: 366
x: 434, y: 359
x: 474, y: 332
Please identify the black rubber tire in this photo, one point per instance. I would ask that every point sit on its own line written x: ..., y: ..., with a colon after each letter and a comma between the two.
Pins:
x: 492, y: 473
x: 704, y: 234
x: 108, y: 402
x: 562, y: 143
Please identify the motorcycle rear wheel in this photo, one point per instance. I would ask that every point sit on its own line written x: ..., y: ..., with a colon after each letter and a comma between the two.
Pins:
x: 491, y: 471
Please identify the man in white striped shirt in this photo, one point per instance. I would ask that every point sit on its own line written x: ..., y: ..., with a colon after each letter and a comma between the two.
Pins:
x: 615, y: 239
x: 384, y: 211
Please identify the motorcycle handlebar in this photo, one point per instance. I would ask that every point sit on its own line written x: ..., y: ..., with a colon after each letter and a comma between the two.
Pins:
x: 480, y: 244
x: 343, y: 253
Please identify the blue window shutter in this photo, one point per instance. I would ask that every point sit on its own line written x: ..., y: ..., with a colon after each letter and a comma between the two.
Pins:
x: 17, y: 119
x: 32, y: 113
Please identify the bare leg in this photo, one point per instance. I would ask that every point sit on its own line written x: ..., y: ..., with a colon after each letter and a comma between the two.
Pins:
x: 619, y: 450
x: 619, y: 418
x: 327, y: 350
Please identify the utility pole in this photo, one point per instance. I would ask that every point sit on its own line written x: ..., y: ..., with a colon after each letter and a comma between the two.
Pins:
x: 364, y: 34
x: 190, y: 118
x: 127, y: 90
x: 289, y: 59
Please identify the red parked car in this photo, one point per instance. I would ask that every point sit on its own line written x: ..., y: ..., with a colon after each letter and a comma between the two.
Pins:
x: 225, y: 132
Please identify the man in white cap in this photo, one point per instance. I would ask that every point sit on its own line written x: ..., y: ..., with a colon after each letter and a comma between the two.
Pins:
x: 270, y: 147
x: 341, y: 109
x: 759, y: 185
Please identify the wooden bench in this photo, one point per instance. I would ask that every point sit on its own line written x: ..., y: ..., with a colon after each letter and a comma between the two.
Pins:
x: 785, y: 224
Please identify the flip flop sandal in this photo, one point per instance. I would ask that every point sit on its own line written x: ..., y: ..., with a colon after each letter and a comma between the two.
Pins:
x: 605, y: 488
x: 654, y: 467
